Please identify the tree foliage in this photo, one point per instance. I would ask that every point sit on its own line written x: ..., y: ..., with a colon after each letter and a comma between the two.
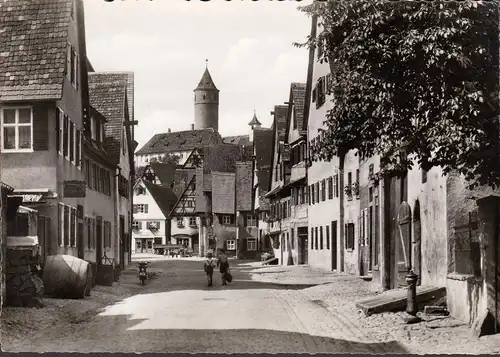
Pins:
x: 412, y: 80
x: 167, y: 159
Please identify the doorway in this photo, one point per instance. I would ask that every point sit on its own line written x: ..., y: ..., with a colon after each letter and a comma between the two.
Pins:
x: 334, y: 245
x: 98, y: 233
x: 398, y: 247
x: 121, y: 239
x: 303, y: 244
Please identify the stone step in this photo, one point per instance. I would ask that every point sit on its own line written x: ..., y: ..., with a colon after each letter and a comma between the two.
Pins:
x: 395, y: 300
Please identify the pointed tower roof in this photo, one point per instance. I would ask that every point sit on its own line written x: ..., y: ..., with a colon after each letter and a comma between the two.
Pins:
x: 206, y: 82
x: 254, y: 120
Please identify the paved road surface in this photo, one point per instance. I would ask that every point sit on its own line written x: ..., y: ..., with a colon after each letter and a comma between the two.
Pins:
x: 177, y: 312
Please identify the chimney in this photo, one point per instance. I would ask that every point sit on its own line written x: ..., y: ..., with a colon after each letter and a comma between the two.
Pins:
x: 192, y: 126
x: 169, y: 131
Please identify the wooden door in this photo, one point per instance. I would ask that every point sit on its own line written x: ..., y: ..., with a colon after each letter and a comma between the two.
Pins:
x: 334, y: 245
x: 403, y: 244
x: 417, y: 250
x: 121, y: 241
x: 98, y: 233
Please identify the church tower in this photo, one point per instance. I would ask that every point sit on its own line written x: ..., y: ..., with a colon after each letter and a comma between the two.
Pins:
x: 206, y: 103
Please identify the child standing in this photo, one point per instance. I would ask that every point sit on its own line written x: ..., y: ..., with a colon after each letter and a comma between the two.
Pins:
x: 209, y: 268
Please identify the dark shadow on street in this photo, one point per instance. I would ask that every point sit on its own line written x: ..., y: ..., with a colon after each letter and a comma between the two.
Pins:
x: 121, y: 337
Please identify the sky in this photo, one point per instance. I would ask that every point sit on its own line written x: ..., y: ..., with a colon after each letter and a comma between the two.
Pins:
x: 248, y: 44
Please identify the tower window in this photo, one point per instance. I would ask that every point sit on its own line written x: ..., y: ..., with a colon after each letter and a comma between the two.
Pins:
x: 204, y: 96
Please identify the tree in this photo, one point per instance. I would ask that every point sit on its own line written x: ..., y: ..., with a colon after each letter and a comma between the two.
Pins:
x: 167, y: 159
x: 412, y: 80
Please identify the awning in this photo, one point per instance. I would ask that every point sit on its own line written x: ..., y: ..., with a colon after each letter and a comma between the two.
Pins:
x: 33, y: 196
x: 272, y: 192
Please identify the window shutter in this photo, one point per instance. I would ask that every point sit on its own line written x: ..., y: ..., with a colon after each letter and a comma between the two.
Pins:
x: 40, y: 127
x: 58, y: 128
x: 314, y: 94
x: 145, y: 208
x: 77, y: 65
x: 68, y: 61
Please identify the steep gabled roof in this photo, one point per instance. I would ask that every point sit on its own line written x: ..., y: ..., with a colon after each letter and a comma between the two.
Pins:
x: 296, y: 106
x: 223, y: 157
x: 206, y: 82
x: 179, y: 141
x: 164, y: 172
x: 33, y: 40
x: 237, y: 140
x: 280, y: 116
x: 263, y: 142
x: 108, y: 96
x: 164, y: 197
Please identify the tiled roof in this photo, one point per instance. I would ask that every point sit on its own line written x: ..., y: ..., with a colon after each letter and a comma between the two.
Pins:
x: 237, y: 140
x: 280, y: 115
x: 206, y: 82
x: 179, y: 141
x: 163, y: 196
x: 164, y: 172
x: 263, y: 141
x: 182, y: 178
x: 107, y: 93
x: 223, y: 157
x: 298, y: 97
x: 33, y: 38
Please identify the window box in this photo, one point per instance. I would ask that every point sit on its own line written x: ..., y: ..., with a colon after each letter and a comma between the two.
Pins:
x: 355, y: 188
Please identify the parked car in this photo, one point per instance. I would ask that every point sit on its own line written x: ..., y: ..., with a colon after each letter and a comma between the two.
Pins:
x: 266, y: 255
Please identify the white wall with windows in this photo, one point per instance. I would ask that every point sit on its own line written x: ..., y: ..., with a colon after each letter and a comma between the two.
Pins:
x: 183, y: 228
x: 323, y: 179
x: 148, y: 226
x: 143, y: 160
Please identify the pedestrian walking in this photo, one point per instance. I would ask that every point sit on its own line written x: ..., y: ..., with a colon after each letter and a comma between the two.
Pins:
x: 209, y: 268
x: 223, y: 265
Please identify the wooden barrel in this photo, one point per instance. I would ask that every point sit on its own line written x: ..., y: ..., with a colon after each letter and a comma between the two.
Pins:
x: 65, y: 276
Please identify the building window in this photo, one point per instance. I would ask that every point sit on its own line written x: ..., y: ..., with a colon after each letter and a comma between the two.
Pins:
x: 330, y: 188
x: 180, y: 222
x: 312, y: 238
x: 17, y: 129
x: 317, y: 192
x: 136, y: 225
x: 349, y: 232
x: 226, y: 220
x: 321, y: 237
x: 316, y: 238
x: 66, y: 226
x: 323, y: 189
x: 141, y: 208
x: 93, y: 128
x: 59, y: 130
x: 72, y: 65
x: 251, y: 244
x: 251, y: 220
x: 60, y: 237
x: 231, y: 244
x: 73, y: 227
x: 327, y: 231
x: 192, y: 221
x: 78, y: 148
x: 424, y: 176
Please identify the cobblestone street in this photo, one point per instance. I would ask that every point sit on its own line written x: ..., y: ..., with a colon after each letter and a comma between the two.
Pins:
x: 270, y: 309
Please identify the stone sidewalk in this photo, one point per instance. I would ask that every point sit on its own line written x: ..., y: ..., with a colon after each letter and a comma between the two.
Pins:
x: 337, y: 294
